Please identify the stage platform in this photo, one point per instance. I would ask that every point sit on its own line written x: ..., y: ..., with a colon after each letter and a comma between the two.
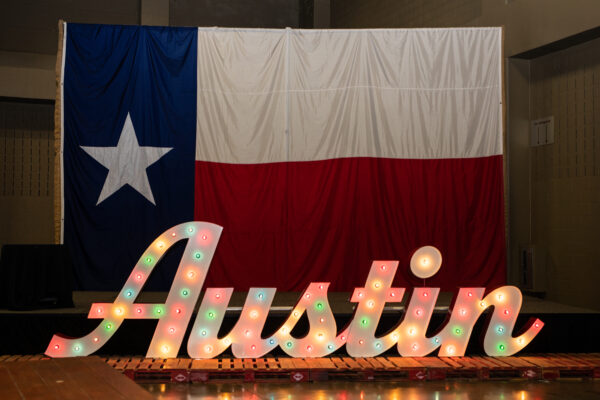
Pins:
x: 279, y: 369
x: 567, y: 329
x: 63, y: 379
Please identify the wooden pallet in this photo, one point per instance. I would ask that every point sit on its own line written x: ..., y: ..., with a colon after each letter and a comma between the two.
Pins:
x: 270, y: 369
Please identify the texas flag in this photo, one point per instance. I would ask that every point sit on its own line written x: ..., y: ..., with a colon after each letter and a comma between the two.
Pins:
x: 317, y: 151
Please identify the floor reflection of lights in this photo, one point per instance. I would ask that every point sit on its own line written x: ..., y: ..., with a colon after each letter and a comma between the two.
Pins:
x: 338, y: 390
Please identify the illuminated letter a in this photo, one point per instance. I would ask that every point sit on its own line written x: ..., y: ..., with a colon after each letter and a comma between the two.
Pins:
x: 173, y: 316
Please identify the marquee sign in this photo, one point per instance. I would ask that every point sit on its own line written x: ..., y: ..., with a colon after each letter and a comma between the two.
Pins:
x: 323, y: 338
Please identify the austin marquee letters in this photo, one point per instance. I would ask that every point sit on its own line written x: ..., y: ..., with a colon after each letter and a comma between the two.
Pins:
x: 323, y: 338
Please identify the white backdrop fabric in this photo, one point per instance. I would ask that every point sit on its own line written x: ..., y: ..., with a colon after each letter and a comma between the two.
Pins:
x: 303, y: 95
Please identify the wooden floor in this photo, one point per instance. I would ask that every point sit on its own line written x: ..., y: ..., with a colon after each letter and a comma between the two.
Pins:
x: 15, y: 372
x: 66, y: 378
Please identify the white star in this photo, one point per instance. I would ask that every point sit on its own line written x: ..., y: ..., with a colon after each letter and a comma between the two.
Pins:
x: 127, y: 163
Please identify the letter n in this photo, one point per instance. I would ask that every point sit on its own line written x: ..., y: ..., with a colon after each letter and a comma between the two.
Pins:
x: 173, y: 316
